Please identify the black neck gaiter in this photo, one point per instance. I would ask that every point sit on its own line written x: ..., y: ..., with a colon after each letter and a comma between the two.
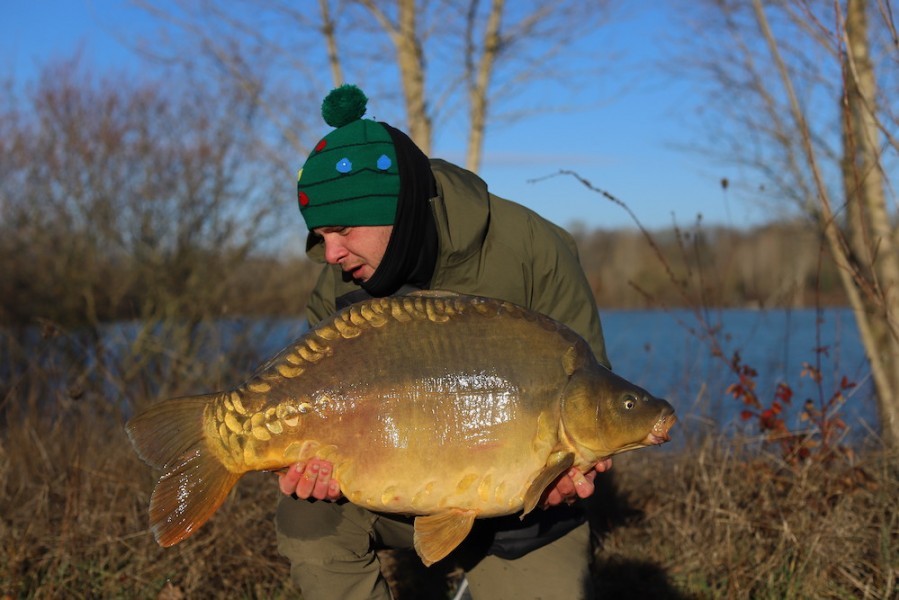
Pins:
x: 412, y: 249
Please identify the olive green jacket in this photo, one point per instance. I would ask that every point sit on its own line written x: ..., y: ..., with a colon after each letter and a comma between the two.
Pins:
x: 488, y: 246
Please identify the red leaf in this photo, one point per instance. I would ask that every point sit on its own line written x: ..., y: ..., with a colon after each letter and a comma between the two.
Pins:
x: 811, y: 372
x: 784, y: 393
x: 846, y: 384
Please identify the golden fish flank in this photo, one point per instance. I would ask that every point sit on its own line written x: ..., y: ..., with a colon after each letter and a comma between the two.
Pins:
x: 503, y: 398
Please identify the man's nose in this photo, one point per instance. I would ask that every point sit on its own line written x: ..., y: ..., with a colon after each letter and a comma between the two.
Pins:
x: 334, y: 250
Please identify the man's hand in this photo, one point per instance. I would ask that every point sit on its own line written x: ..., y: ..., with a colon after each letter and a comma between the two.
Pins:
x: 311, y: 479
x: 574, y: 484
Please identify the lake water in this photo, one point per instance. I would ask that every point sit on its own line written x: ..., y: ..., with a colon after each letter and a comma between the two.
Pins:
x: 668, y: 354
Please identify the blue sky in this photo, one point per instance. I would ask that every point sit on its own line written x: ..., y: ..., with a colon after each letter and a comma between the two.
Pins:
x: 628, y: 144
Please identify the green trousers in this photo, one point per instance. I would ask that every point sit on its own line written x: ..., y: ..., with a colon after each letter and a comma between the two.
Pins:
x: 332, y: 552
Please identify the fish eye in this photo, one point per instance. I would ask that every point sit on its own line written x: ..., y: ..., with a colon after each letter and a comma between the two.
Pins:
x: 629, y: 401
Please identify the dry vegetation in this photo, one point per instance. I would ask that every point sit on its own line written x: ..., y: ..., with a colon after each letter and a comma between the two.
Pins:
x: 723, y: 520
x: 720, y: 519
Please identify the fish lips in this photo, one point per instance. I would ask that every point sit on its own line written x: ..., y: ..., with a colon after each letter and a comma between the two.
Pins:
x: 659, y: 434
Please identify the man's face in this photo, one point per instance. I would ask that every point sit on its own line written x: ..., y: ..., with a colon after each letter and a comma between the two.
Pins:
x: 358, y: 250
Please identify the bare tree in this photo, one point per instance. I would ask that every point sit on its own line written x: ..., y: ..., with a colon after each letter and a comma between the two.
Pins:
x: 449, y: 57
x: 872, y: 237
x: 795, y: 88
x: 123, y: 200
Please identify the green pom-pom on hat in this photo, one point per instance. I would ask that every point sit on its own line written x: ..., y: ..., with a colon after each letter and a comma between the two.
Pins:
x: 343, y: 105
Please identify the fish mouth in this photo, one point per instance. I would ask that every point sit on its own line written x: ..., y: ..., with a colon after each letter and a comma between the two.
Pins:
x: 656, y: 440
x: 659, y: 434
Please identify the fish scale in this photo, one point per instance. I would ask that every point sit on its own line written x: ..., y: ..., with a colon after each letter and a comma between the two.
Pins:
x: 504, y: 399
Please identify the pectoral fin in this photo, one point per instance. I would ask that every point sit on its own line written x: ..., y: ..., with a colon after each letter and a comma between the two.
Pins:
x: 557, y: 464
x: 438, y: 535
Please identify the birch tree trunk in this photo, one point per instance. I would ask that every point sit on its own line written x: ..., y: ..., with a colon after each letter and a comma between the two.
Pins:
x: 410, y: 59
x: 478, y: 76
x: 329, y: 31
x: 871, y: 236
x: 867, y: 261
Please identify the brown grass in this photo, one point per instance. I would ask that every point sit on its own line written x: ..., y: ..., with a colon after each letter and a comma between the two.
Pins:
x: 718, y: 520
x: 725, y: 520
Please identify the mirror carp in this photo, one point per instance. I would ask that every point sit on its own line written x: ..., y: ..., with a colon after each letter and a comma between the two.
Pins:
x: 443, y: 406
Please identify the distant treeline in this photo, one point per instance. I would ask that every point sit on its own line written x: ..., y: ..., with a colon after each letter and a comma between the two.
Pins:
x: 776, y: 265
x: 71, y: 282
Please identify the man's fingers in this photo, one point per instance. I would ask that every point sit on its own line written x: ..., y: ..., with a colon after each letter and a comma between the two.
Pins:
x: 311, y: 479
x: 322, y: 483
x: 306, y: 483
x: 583, y: 484
x: 565, y: 485
x: 552, y: 498
x: 334, y: 492
x: 288, y: 479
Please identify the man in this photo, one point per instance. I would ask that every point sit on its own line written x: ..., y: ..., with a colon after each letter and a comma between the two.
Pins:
x: 387, y: 220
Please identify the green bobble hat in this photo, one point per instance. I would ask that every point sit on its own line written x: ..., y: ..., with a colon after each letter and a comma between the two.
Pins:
x: 351, y: 178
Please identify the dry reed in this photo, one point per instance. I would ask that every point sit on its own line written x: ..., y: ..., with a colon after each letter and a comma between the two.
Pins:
x: 718, y: 519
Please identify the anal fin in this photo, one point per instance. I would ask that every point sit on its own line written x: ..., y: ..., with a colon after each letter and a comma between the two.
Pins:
x: 437, y: 535
x: 557, y: 464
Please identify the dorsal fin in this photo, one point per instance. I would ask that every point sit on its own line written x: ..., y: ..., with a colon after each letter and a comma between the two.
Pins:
x: 434, y: 293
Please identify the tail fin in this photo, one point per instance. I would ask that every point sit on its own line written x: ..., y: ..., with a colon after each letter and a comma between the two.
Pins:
x: 171, y: 436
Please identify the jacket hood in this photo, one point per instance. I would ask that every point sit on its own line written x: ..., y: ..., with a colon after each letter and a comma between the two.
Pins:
x: 461, y: 224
